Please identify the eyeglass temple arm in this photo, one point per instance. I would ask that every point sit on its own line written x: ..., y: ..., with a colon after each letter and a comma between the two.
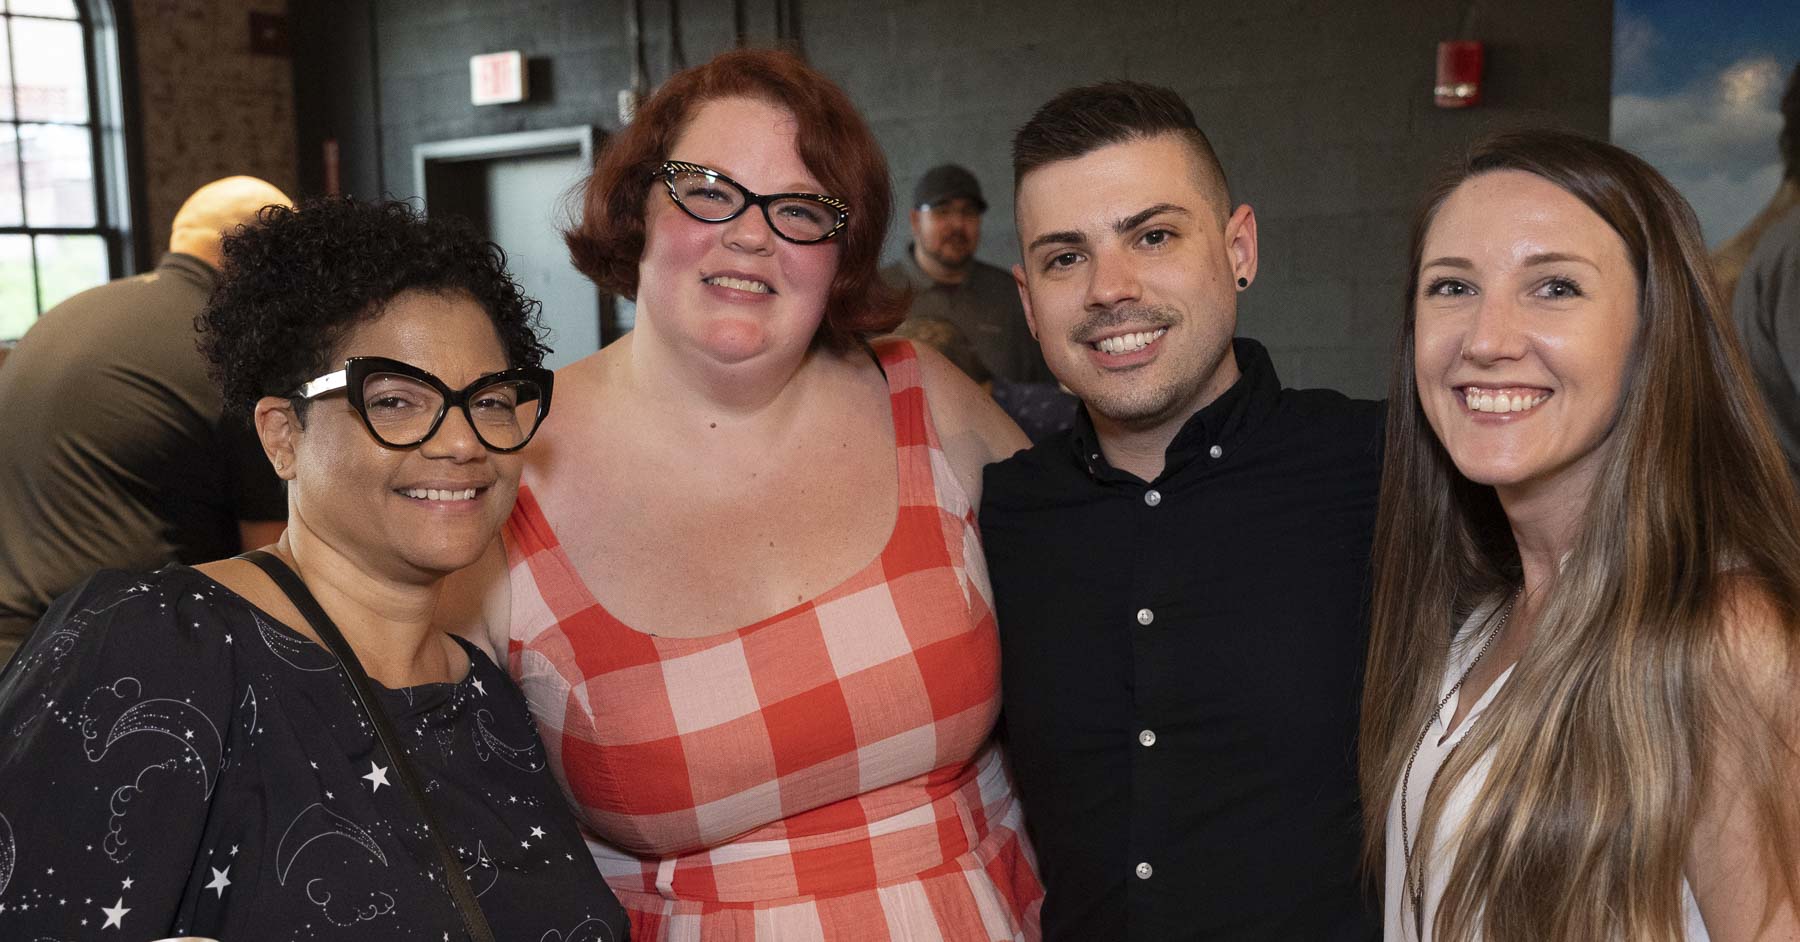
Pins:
x: 325, y: 384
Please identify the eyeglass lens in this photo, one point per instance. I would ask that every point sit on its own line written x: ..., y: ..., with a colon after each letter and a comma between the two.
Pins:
x: 402, y: 410
x: 714, y: 200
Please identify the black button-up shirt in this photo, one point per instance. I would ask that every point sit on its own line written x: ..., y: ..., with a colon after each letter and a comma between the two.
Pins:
x: 1182, y: 664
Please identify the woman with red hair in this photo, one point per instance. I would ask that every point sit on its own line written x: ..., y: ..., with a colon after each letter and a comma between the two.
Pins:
x: 743, y: 589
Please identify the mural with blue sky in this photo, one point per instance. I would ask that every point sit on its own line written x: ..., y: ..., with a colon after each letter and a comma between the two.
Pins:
x: 1697, y: 91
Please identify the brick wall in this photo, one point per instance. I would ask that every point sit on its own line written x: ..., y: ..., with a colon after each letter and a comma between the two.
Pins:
x: 209, y: 107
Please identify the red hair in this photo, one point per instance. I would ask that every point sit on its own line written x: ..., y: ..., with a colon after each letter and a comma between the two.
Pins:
x: 834, y: 143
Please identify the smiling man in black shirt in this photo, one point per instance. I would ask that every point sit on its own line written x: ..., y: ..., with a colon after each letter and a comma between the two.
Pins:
x: 1182, y: 580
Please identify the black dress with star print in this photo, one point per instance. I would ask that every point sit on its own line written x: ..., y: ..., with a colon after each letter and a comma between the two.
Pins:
x: 174, y: 762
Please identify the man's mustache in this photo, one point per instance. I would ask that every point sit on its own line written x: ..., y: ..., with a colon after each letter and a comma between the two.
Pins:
x: 1144, y: 316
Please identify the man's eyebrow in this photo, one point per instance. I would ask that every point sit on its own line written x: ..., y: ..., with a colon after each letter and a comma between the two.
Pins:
x: 1132, y: 222
x: 1065, y: 237
x: 1071, y: 237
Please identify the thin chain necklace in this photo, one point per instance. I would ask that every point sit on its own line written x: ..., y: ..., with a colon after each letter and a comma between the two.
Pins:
x: 1415, y: 887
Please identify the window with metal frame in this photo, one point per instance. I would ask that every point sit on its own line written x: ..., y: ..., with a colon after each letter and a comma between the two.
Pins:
x: 62, y: 180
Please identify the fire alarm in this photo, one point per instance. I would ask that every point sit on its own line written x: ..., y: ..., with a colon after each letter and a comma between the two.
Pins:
x: 1459, y: 64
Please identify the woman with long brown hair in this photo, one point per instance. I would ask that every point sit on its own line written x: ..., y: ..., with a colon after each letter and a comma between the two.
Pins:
x: 1578, y: 722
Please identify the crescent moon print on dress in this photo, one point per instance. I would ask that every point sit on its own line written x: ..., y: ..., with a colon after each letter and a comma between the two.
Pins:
x: 297, y: 653
x: 247, y: 712
x: 168, y: 696
x: 182, y: 722
x: 340, y: 873
x: 45, y: 658
x: 8, y: 854
x: 488, y: 746
x: 482, y: 874
x: 316, y: 822
x: 588, y: 930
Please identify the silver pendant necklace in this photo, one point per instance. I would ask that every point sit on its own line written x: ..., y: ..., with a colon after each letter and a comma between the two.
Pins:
x: 1415, y: 887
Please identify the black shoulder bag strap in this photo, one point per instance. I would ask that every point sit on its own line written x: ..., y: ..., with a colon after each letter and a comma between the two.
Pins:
x: 460, y: 894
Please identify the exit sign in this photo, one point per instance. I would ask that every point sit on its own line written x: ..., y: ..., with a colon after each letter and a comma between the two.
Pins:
x: 497, y: 78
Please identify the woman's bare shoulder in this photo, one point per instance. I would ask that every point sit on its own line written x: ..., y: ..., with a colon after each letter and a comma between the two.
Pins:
x: 964, y: 412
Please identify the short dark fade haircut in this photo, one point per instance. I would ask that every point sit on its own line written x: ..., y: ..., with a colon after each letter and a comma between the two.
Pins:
x: 1089, y: 117
x: 1790, y: 127
x: 297, y: 280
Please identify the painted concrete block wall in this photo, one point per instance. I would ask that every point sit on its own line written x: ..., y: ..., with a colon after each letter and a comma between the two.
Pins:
x: 1321, y: 112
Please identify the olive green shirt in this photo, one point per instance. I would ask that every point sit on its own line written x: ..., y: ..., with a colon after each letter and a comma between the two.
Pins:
x: 115, y: 453
x: 985, y: 306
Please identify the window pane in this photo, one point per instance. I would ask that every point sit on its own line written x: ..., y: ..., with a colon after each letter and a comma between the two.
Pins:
x: 18, y: 298
x: 9, y: 177
x: 6, y: 90
x: 61, y: 8
x: 50, y: 64
x: 59, y: 175
x: 67, y: 264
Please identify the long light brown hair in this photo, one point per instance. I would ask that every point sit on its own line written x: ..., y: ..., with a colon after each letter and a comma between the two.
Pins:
x: 1602, y: 741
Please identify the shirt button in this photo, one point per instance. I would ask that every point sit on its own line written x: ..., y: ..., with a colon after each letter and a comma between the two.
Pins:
x: 1216, y: 451
x: 1147, y: 738
x: 1146, y: 616
x: 1152, y: 498
x: 1144, y: 870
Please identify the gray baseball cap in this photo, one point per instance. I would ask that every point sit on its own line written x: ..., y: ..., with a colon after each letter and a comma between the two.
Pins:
x: 947, y: 181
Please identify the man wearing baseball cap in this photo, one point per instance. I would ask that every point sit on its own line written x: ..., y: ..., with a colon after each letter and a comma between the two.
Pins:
x: 949, y: 284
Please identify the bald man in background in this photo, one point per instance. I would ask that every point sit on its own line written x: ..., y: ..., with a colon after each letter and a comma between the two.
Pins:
x: 112, y: 449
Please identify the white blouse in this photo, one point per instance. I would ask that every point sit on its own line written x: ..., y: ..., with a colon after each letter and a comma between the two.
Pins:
x: 1398, y: 922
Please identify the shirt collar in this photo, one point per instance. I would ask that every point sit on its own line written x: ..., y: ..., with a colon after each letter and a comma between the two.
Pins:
x: 920, y: 281
x: 915, y: 276
x: 190, y: 267
x: 1223, y: 423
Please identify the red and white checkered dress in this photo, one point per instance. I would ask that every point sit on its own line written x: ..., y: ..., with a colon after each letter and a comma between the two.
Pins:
x: 827, y: 773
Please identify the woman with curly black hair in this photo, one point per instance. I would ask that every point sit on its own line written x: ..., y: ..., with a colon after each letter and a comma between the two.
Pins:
x: 326, y: 761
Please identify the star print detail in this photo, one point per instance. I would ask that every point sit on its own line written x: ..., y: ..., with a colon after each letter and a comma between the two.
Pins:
x: 537, y: 832
x: 115, y: 915
x: 126, y: 884
x: 478, y: 688
x: 233, y: 852
x: 220, y: 881
x: 377, y: 776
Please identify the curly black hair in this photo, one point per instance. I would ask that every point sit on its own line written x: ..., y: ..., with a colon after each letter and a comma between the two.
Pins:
x: 292, y: 284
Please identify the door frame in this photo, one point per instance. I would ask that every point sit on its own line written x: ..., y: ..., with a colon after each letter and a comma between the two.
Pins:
x: 577, y: 139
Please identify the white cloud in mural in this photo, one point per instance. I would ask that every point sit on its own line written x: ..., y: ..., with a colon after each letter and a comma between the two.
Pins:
x: 1634, y: 48
x: 1715, y: 139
